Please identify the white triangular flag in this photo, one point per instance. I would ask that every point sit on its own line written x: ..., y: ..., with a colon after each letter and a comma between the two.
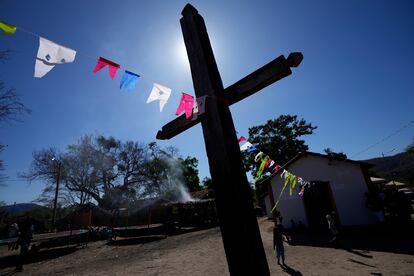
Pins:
x: 284, y: 174
x: 257, y: 157
x: 161, y: 93
x: 50, y: 54
x: 245, y: 146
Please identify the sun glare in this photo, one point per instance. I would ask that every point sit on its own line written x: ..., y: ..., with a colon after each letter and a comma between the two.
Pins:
x: 181, y: 53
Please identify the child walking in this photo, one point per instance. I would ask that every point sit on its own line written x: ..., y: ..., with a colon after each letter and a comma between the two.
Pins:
x: 278, y: 234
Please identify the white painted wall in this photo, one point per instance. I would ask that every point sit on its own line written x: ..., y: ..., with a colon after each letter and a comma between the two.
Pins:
x: 347, y: 184
x: 290, y: 207
x: 268, y: 206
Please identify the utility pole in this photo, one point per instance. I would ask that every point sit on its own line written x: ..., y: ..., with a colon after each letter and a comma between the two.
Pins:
x: 56, y: 194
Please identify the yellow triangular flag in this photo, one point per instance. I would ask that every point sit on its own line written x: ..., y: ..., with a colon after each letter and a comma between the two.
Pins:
x: 7, y: 28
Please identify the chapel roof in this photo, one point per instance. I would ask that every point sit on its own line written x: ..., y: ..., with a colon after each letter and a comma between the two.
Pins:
x: 309, y: 153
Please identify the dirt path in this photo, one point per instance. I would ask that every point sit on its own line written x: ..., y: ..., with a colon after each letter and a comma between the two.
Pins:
x: 201, y: 253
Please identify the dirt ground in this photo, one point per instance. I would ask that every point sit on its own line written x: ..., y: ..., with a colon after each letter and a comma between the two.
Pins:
x: 202, y: 253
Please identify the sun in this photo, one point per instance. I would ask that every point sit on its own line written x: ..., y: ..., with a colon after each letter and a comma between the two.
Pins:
x: 181, y: 53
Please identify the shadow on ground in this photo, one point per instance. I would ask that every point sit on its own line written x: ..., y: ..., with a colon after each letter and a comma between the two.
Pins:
x: 42, y: 255
x: 136, y: 240
x: 361, y: 241
x: 289, y: 270
x: 185, y: 230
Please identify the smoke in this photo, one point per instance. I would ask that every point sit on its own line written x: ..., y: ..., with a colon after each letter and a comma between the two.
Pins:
x: 175, y: 189
x: 166, y: 184
x: 185, y: 195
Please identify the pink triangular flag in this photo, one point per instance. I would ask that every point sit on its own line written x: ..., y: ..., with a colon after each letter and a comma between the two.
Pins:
x: 302, y: 191
x: 186, y: 104
x: 102, y: 62
x: 241, y: 139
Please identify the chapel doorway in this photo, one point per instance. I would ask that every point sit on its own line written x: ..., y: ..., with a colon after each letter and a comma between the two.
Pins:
x: 318, y: 201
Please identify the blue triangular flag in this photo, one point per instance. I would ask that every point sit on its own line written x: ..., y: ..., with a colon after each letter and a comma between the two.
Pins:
x: 129, y: 80
x: 252, y: 148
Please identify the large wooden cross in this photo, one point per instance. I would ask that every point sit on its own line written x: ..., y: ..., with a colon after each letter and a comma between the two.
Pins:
x: 238, y: 224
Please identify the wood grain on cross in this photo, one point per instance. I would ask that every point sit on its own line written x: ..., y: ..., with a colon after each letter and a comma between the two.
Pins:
x: 238, y: 224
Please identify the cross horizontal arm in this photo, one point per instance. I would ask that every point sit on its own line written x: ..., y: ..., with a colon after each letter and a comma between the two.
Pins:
x: 252, y: 83
x: 262, y: 77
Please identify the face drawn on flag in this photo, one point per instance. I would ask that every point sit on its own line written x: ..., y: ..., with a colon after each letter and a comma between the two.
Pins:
x: 51, y: 54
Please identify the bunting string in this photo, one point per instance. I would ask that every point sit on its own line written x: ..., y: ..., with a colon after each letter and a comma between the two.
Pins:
x: 289, y: 178
x: 51, y: 54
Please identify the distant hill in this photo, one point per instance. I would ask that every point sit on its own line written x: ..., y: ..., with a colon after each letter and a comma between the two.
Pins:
x: 400, y: 167
x: 19, y: 208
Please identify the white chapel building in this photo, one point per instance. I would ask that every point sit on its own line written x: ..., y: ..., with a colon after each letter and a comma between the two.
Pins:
x: 339, y: 185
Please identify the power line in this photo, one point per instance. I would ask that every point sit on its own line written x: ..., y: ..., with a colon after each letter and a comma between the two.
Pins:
x: 384, y: 139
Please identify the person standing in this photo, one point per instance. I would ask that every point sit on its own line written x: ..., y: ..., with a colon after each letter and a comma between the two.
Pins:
x: 13, y: 233
x: 332, y: 227
x: 25, y: 237
x: 278, y: 234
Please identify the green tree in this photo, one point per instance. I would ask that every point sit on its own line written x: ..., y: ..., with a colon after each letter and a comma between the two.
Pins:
x: 332, y: 154
x: 280, y: 138
x: 190, y: 173
x: 207, y: 183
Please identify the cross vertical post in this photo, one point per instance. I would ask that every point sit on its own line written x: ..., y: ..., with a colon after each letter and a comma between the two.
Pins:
x: 238, y: 224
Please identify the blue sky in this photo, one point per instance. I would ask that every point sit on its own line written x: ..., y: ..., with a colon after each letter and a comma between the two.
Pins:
x: 355, y: 82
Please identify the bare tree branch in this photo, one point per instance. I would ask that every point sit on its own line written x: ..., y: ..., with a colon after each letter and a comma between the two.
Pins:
x: 4, y: 55
x: 2, y: 176
x: 11, y: 106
